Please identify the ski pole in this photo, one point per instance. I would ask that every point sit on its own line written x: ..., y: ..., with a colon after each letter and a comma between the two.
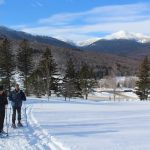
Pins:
x: 26, y: 116
x: 6, y: 120
x: 25, y: 111
x: 9, y: 117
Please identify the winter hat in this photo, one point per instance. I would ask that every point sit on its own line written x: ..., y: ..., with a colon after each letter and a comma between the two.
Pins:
x: 1, y: 87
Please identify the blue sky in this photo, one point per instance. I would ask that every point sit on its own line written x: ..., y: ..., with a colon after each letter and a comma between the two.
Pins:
x: 76, y: 20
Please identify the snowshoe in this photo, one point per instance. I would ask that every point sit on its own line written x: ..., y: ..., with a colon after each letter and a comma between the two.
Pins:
x: 19, y: 124
x: 3, y: 132
x: 13, y: 126
x: 2, y: 135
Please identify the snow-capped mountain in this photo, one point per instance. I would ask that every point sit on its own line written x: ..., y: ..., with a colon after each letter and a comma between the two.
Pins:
x: 139, y: 37
x: 121, y: 43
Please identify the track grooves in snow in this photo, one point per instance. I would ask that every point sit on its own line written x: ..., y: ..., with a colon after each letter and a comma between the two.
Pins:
x: 41, y: 135
x: 31, y: 137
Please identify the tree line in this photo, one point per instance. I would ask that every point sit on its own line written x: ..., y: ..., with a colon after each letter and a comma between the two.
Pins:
x: 45, y: 78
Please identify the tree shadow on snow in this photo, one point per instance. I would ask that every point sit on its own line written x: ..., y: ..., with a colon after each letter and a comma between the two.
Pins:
x: 85, y: 133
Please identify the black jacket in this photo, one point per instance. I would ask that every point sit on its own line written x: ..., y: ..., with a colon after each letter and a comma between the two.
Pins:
x: 16, y: 98
x: 3, y: 100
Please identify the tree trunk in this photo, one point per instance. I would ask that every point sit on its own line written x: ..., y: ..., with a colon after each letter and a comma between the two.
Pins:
x: 114, y: 94
x: 86, y: 96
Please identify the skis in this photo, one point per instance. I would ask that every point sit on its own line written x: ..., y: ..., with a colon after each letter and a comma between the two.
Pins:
x: 18, y: 126
x: 5, y: 135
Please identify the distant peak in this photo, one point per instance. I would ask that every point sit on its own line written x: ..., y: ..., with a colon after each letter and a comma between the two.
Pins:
x: 139, y: 37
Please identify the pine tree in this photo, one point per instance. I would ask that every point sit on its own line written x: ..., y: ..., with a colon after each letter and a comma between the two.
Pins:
x: 36, y: 83
x: 48, y: 67
x: 143, y: 84
x: 24, y: 61
x: 87, y: 80
x: 70, y: 85
x: 70, y: 71
x: 7, y: 65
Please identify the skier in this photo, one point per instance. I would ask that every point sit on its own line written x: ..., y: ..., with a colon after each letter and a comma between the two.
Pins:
x: 16, y: 97
x: 3, y: 103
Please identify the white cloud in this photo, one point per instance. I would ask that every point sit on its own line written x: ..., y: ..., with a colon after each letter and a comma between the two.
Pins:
x: 66, y: 33
x: 80, y: 33
x: 84, y: 25
x: 101, y: 14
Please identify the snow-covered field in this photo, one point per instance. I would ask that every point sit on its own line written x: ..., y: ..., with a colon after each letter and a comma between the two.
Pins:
x: 82, y: 125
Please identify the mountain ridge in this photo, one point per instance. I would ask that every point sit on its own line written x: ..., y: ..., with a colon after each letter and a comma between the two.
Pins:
x: 19, y: 35
x: 100, y: 62
x: 124, y: 35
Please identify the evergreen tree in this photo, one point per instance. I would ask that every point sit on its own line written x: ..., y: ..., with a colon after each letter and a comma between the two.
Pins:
x: 24, y: 61
x: 70, y: 71
x: 70, y: 85
x: 143, y: 84
x: 7, y: 65
x: 36, y: 83
x: 87, y: 80
x: 48, y: 67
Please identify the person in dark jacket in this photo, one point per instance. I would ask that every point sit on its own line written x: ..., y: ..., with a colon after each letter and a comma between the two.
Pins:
x: 3, y: 103
x: 16, y: 97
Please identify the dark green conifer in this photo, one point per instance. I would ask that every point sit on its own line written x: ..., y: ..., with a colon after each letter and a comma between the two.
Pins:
x: 7, y: 64
x: 143, y: 84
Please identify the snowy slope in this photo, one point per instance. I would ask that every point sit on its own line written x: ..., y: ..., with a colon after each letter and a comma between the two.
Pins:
x: 139, y: 37
x: 129, y: 35
x: 82, y: 125
x: 30, y: 137
x: 88, y: 42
